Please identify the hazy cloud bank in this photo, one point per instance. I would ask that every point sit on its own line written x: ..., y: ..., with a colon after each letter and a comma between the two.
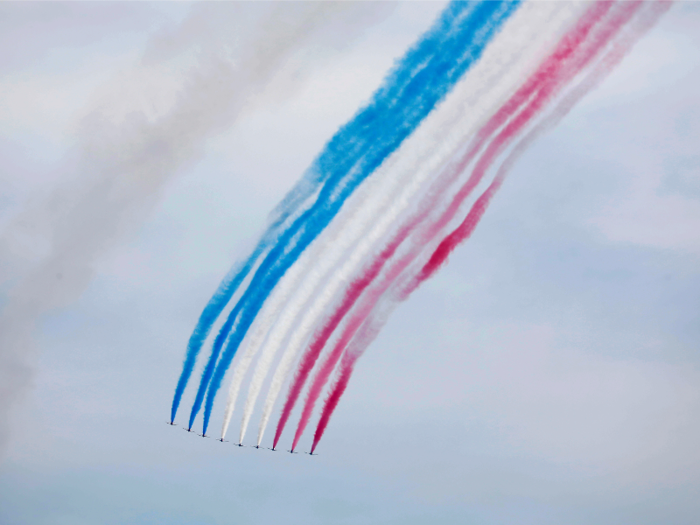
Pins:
x: 141, y: 129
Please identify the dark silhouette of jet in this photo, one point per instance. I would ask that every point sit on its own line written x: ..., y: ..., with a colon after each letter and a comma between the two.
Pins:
x: 188, y: 429
x: 170, y: 423
x: 239, y: 444
x: 292, y: 452
x: 311, y: 454
x: 223, y: 440
x: 273, y: 449
x: 257, y: 446
x: 203, y: 435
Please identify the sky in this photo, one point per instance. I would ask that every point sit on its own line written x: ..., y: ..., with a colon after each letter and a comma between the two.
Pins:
x: 548, y: 374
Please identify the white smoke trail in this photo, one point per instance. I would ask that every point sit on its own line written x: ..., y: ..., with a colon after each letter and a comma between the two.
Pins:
x: 135, y: 138
x: 257, y: 335
x: 401, y: 183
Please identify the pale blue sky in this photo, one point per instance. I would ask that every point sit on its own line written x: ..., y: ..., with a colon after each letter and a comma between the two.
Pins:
x: 548, y: 374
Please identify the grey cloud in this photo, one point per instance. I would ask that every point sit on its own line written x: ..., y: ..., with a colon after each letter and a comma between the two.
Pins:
x: 128, y: 151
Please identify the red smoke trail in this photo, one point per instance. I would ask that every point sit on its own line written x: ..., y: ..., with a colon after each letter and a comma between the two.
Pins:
x: 320, y: 338
x: 566, y: 47
x: 333, y: 398
x: 547, y: 70
x: 549, y: 88
x: 467, y: 227
x: 370, y: 329
x: 322, y: 335
x: 356, y: 321
x: 368, y: 332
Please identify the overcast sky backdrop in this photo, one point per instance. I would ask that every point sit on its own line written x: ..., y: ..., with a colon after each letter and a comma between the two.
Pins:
x: 548, y: 374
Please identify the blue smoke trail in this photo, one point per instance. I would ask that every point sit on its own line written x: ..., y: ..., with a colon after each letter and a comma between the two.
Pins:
x: 211, y: 312
x: 417, y: 84
x: 289, y: 206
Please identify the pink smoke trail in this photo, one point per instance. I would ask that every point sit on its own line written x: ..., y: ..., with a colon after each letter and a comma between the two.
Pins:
x: 371, y: 326
x: 467, y: 227
x: 568, y: 45
x: 367, y: 333
x: 322, y: 335
x: 369, y: 300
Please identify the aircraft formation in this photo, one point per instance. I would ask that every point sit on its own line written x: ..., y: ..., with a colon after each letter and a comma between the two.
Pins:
x: 484, y: 82
x: 222, y: 440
